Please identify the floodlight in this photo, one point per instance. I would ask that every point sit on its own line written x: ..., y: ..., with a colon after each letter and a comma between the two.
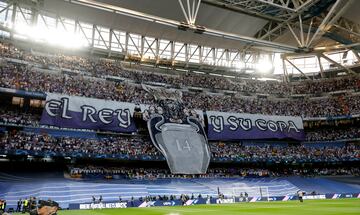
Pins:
x: 264, y: 66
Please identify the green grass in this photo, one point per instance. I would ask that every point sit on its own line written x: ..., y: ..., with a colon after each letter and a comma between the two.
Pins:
x: 309, y: 207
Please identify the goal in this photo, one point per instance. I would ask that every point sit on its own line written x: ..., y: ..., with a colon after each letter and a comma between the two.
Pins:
x: 261, y: 191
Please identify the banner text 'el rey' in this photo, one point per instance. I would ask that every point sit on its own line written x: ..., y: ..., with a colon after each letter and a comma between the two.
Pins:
x: 88, y: 113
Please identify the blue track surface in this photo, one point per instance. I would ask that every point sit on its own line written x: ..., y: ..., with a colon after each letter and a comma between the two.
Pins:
x: 65, y: 191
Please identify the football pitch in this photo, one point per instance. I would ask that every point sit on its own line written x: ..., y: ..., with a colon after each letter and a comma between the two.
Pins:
x: 316, y: 207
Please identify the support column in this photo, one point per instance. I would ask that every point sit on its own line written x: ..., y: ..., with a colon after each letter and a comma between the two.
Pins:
x: 356, y: 55
x: 286, y: 75
x: 186, y: 53
x: 227, y: 56
x: 126, y: 42
x: 13, y: 21
x: 347, y: 70
x: 201, y: 54
x: 142, y: 47
x: 34, y: 16
x: 321, y: 67
x: 214, y: 56
x: 110, y: 42
x: 172, y: 50
x: 93, y: 38
x: 299, y: 70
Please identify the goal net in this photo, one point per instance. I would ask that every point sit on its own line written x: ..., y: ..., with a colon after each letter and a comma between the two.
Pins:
x: 245, y: 192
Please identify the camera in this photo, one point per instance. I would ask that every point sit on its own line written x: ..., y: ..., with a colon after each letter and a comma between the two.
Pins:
x: 45, y: 208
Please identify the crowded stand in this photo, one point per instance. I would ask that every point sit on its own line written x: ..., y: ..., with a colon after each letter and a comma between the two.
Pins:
x: 270, y: 153
x: 336, y: 133
x: 102, y: 112
x: 295, y: 107
x: 157, y: 173
x: 22, y: 77
x: 28, y: 78
x: 133, y: 146
x: 330, y: 85
x: 12, y: 117
x: 130, y: 146
x: 91, y: 82
x: 104, y: 67
x: 25, y: 78
x: 117, y: 81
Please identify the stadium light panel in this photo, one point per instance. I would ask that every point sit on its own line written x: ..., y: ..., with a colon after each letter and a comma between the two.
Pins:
x: 20, y: 37
x: 267, y: 79
x: 198, y: 72
x: 228, y: 76
x: 215, y: 74
x: 8, y: 24
x: 239, y: 65
x: 182, y: 70
x: 249, y: 71
x: 264, y: 66
x: 52, y: 36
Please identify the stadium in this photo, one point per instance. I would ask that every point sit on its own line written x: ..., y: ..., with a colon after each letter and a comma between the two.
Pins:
x: 179, y: 107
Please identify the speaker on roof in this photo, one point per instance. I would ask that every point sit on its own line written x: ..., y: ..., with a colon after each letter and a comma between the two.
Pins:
x: 183, y: 26
x: 200, y: 29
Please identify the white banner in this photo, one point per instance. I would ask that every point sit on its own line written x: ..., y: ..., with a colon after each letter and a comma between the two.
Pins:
x: 88, y: 113
x: 236, y: 126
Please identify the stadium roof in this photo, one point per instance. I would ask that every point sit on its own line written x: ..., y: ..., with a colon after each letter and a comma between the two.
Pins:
x: 242, y: 18
x: 219, y: 37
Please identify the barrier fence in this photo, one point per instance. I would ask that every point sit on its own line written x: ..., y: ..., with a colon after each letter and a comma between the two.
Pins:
x: 198, y: 201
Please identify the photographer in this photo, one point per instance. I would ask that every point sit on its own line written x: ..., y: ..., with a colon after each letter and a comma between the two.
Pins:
x: 45, y: 208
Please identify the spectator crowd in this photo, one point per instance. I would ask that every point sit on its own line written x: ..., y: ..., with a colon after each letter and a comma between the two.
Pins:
x: 105, y: 67
x: 110, y: 145
x: 16, y: 117
x: 335, y: 133
x: 291, y: 153
x: 113, y: 80
x: 158, y: 173
x: 90, y: 78
x: 135, y: 145
x: 350, y: 132
x: 28, y: 78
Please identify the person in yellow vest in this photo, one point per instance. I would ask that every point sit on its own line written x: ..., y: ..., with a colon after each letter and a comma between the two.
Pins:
x: 25, y: 205
x: 1, y: 206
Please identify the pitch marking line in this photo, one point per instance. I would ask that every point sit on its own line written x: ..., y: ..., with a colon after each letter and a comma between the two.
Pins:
x: 187, y: 210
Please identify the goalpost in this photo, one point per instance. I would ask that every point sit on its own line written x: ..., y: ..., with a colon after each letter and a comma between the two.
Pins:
x: 261, y: 191
x: 266, y: 189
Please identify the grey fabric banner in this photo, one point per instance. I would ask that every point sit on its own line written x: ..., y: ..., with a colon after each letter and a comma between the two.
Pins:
x: 186, y: 151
